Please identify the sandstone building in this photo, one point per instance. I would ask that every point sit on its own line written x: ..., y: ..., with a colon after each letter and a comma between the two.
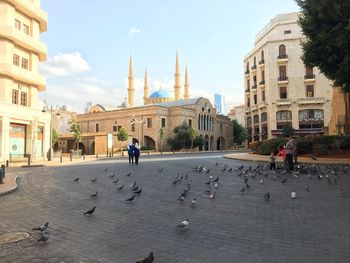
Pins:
x: 25, y: 129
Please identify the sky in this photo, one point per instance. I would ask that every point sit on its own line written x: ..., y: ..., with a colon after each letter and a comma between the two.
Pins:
x: 89, y: 44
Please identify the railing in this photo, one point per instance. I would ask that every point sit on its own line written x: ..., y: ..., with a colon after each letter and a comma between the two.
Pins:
x: 282, y: 56
x: 262, y: 82
x: 253, y: 67
x: 309, y: 76
x: 311, y: 100
x: 246, y: 72
x: 284, y: 101
x: 247, y: 90
x: 282, y: 78
x: 254, y: 86
x: 261, y: 62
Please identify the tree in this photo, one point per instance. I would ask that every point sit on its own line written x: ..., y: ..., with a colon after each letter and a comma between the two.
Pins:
x: 183, y: 137
x: 161, y: 135
x: 193, y: 134
x: 240, y: 133
x: 327, y: 29
x: 288, y: 131
x: 122, y: 135
x: 54, y: 137
x: 75, y: 129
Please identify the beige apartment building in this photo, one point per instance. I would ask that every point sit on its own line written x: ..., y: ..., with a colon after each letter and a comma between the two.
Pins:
x: 279, y: 89
x: 238, y: 113
x: 161, y: 110
x: 24, y: 128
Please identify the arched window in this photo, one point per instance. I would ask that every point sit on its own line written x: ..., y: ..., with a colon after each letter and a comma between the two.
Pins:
x: 256, y: 119
x: 254, y: 61
x: 282, y: 51
x: 283, y: 115
x: 263, y: 117
x: 249, y: 121
x: 97, y: 128
x: 199, y: 121
x: 262, y: 55
x: 247, y: 68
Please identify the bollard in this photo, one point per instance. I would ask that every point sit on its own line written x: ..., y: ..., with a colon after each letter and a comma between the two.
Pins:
x: 70, y: 157
x: 83, y: 156
x: 3, y: 170
x: 1, y: 176
x: 61, y: 159
x: 7, y: 163
x: 112, y: 151
x: 96, y: 155
x: 148, y: 152
x: 29, y: 160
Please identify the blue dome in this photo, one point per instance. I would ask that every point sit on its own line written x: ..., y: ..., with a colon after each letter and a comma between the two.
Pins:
x: 160, y: 94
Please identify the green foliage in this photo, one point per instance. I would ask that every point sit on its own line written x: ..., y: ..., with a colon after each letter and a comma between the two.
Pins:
x: 321, y: 149
x: 288, y: 131
x: 54, y: 137
x: 254, y: 146
x: 146, y: 148
x: 327, y: 29
x: 304, y: 145
x: 75, y: 129
x: 240, y: 133
x: 271, y: 145
x: 184, y: 136
x: 198, y: 142
x: 122, y: 135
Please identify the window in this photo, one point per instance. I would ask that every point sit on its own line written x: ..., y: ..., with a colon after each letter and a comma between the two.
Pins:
x: 248, y: 83
x: 254, y: 81
x: 263, y: 75
x: 26, y: 29
x: 306, y: 115
x: 310, y: 91
x: 283, y: 93
x: 115, y: 128
x: 163, y: 123
x: 14, y: 96
x: 247, y: 68
x: 15, y: 60
x: 255, y: 99
x: 24, y: 63
x: 248, y: 102
x: 17, y: 24
x: 309, y: 73
x: 119, y: 127
x: 286, y: 32
x: 263, y: 95
x: 254, y: 65
x: 133, y: 127
x: 283, y: 73
x: 263, y: 117
x: 97, y: 127
x: 256, y: 119
x: 283, y: 115
x: 249, y: 121
x: 282, y: 51
x: 190, y: 122
x: 23, y: 99
x: 149, y: 122
x: 262, y: 55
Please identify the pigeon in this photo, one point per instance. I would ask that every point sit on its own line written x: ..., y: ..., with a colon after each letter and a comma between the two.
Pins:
x: 160, y: 170
x: 243, y: 189
x: 116, y: 181
x: 194, y: 202
x: 106, y: 169
x: 212, y: 195
x: 111, y: 175
x: 216, y: 164
x: 247, y: 185
x: 91, y: 211
x: 135, y: 188
x: 342, y: 193
x: 208, y: 190
x: 76, y: 179
x: 184, y: 224
x: 208, y: 183
x: 261, y: 181
x: 210, y: 177
x: 319, y: 177
x: 224, y: 169
x: 181, y: 198
x: 284, y: 180
x: 216, y: 185
x: 148, y: 259
x: 94, y: 195
x: 94, y: 180
x: 186, y: 176
x: 216, y: 180
x: 134, y: 183
x: 267, y: 196
x: 293, y: 195
x: 230, y: 170
x: 313, y: 157
x: 307, y: 188
x: 120, y: 187
x: 42, y: 227
x: 128, y: 174
x: 44, y: 237
x: 130, y: 199
x: 138, y: 191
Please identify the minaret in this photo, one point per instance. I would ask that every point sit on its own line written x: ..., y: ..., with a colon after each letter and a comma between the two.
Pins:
x: 177, y: 87
x: 187, y: 86
x: 131, y: 89
x: 145, y: 89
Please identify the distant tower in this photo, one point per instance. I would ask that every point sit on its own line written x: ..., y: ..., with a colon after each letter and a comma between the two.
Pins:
x: 177, y: 86
x: 145, y: 89
x: 187, y: 86
x: 131, y: 89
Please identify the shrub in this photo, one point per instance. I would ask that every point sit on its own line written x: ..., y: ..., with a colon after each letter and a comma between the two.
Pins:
x: 254, y: 146
x: 344, y: 142
x: 271, y: 145
x: 146, y: 148
x: 304, y: 145
x: 321, y: 149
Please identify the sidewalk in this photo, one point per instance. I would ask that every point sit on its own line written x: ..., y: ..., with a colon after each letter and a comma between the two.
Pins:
x: 249, y: 157
x: 9, y: 184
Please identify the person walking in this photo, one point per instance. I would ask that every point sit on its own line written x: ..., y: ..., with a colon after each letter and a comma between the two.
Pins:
x: 137, y: 153
x: 291, y: 147
x: 131, y: 153
x: 282, y: 152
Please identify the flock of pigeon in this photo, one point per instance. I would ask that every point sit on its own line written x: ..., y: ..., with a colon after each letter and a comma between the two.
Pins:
x: 329, y: 174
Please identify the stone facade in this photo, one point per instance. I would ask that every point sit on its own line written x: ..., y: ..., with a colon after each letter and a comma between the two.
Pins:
x: 24, y: 128
x: 279, y: 89
x: 238, y: 113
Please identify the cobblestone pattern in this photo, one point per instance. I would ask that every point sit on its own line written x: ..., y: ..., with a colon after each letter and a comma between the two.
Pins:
x: 234, y: 227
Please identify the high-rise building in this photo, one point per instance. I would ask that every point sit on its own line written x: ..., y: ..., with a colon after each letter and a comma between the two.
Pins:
x: 219, y: 102
x: 25, y: 129
x: 279, y: 89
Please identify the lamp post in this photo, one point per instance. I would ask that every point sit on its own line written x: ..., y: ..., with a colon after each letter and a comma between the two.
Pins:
x: 143, y: 121
x: 45, y: 109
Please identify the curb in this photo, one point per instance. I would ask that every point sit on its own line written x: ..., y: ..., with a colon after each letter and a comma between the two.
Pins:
x: 33, y: 165
x: 11, y: 189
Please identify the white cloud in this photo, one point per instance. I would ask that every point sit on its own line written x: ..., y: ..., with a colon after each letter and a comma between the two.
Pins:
x: 64, y: 64
x: 134, y: 31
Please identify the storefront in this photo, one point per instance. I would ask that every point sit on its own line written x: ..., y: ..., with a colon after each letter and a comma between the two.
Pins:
x: 17, y: 140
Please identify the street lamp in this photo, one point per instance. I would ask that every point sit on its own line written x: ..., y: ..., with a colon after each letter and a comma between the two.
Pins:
x: 143, y: 121
x: 46, y: 109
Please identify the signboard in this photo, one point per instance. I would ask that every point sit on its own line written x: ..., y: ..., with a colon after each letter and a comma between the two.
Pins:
x: 17, y: 139
x: 109, y: 140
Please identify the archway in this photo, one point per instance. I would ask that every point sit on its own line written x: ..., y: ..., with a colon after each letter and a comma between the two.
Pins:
x: 149, y: 142
x: 82, y: 148
x: 134, y: 141
x: 202, y: 140
x: 220, y: 142
x: 206, y: 143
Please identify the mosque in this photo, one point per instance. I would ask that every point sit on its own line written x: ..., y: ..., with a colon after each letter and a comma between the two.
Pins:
x: 161, y: 111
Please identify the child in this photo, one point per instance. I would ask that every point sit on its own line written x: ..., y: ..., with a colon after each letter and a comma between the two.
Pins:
x: 272, y: 161
x: 282, y: 152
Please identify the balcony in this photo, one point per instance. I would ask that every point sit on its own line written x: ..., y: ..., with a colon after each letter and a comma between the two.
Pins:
x: 247, y: 72
x: 311, y: 131
x: 262, y: 62
x: 309, y: 78
x: 247, y: 110
x: 247, y: 91
x: 282, y: 59
x: 262, y: 83
x: 262, y: 105
x: 254, y: 86
x: 254, y: 107
x: 311, y: 100
x: 283, y: 102
x: 283, y: 80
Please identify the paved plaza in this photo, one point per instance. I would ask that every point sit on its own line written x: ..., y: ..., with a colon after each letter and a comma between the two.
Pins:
x: 234, y: 227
